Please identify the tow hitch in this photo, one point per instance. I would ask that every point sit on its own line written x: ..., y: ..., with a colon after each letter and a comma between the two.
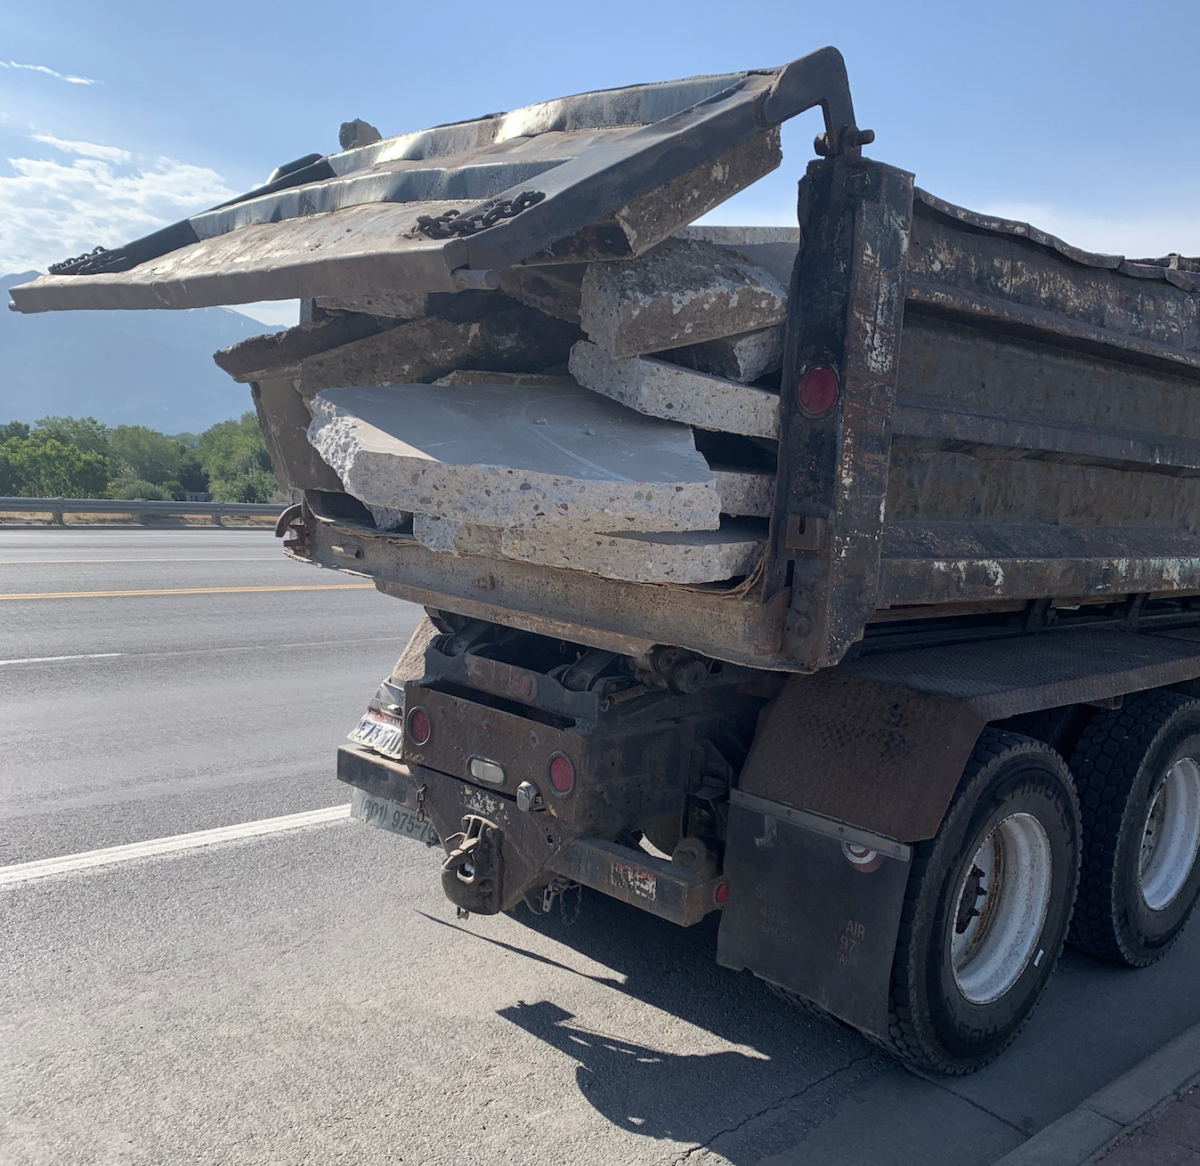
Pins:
x: 473, y: 872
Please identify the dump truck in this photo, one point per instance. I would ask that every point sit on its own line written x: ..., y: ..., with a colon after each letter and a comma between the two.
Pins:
x: 842, y: 578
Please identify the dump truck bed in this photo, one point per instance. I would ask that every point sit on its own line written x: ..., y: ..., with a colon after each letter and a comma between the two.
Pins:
x: 1011, y: 427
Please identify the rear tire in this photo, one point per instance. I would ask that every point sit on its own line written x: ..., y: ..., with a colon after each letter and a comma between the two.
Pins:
x: 1138, y: 771
x: 987, y: 907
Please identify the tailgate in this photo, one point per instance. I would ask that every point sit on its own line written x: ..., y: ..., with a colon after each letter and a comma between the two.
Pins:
x: 599, y: 175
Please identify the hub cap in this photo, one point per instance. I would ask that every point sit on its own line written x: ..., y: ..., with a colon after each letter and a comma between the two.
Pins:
x: 1001, y: 908
x: 1171, y: 835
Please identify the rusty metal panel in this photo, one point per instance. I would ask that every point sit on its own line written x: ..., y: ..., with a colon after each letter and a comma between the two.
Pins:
x: 881, y: 741
x: 874, y: 754
x: 844, y: 313
x: 639, y: 879
x: 599, y: 175
x: 1007, y: 274
x: 630, y: 618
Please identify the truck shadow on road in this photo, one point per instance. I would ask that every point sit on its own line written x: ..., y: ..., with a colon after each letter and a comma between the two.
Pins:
x: 649, y: 1079
x: 692, y: 1097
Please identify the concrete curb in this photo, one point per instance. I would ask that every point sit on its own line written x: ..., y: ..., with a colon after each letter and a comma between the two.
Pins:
x: 1114, y: 1110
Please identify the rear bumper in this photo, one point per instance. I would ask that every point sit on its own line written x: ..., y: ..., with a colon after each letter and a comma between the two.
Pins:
x: 534, y: 846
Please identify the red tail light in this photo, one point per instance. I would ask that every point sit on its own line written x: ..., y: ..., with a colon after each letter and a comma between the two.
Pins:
x: 817, y: 391
x: 562, y: 774
x: 420, y: 727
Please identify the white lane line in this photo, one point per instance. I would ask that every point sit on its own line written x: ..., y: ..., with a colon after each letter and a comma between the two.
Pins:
x: 54, y: 659
x: 24, y: 872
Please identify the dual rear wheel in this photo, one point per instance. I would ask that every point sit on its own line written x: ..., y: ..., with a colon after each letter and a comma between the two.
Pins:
x: 989, y: 899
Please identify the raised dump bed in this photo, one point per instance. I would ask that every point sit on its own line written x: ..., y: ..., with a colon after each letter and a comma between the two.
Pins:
x: 922, y: 412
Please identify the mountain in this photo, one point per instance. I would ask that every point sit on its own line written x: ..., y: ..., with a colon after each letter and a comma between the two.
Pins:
x: 123, y: 368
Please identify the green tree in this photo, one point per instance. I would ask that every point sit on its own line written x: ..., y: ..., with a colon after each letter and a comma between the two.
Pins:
x: 86, y: 433
x: 11, y: 429
x: 142, y: 454
x: 32, y: 467
x: 234, y: 455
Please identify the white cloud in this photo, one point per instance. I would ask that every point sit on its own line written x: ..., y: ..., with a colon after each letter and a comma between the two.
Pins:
x: 69, y: 78
x: 84, y: 149
x: 103, y: 196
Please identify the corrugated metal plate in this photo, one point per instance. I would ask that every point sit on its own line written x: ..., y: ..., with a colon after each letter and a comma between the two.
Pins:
x: 347, y: 223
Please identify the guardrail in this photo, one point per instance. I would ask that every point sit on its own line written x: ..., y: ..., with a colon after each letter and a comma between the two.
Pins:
x: 59, y: 508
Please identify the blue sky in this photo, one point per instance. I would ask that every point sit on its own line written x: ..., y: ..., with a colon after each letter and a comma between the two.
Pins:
x: 118, y: 116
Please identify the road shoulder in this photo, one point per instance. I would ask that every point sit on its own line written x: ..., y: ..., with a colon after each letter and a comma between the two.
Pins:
x: 1094, y: 1126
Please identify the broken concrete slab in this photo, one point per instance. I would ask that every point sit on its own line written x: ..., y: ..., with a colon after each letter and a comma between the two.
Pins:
x: 773, y: 248
x: 742, y: 358
x: 746, y: 493
x: 518, y: 339
x: 457, y: 538
x: 559, y: 457
x: 659, y: 389
x: 688, y: 557
x: 280, y: 353
x: 553, y: 288
x: 682, y: 292
x: 473, y: 376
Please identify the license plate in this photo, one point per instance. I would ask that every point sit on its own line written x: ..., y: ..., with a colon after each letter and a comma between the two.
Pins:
x: 391, y: 816
x: 379, y: 732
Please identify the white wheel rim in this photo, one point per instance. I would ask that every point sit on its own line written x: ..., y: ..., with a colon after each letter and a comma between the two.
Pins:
x: 1000, y: 909
x: 1170, y: 835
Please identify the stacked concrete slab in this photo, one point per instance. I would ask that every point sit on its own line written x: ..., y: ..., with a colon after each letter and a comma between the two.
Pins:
x: 618, y: 418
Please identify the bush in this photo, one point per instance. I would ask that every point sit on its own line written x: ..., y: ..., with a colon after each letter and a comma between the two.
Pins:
x: 33, y: 467
x: 137, y: 490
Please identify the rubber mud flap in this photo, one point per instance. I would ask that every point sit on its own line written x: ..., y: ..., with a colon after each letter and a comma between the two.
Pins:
x: 812, y: 914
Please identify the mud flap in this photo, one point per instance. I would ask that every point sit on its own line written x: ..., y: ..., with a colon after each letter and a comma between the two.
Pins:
x: 814, y: 907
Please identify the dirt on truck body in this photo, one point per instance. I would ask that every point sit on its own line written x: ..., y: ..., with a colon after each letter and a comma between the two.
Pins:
x: 841, y: 578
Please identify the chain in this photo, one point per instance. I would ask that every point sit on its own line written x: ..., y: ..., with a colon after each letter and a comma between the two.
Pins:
x: 486, y: 214
x: 421, y: 804
x: 86, y: 264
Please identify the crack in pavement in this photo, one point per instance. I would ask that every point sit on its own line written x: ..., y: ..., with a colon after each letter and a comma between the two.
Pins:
x: 685, y: 1157
x: 930, y: 1079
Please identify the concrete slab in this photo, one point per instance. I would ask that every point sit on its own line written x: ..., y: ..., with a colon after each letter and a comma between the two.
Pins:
x: 748, y: 493
x: 457, y: 538
x: 742, y: 358
x: 552, y: 288
x: 471, y: 376
x: 659, y: 389
x: 774, y: 248
x: 680, y: 292
x: 511, y: 455
x: 686, y: 557
x: 279, y: 354
x: 517, y: 339
x: 391, y: 519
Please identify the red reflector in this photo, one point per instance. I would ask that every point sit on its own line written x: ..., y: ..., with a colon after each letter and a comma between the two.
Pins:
x: 817, y: 391
x: 420, y: 728
x: 721, y: 894
x: 562, y: 774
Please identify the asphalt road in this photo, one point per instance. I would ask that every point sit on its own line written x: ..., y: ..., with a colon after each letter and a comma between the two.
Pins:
x: 309, y: 996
